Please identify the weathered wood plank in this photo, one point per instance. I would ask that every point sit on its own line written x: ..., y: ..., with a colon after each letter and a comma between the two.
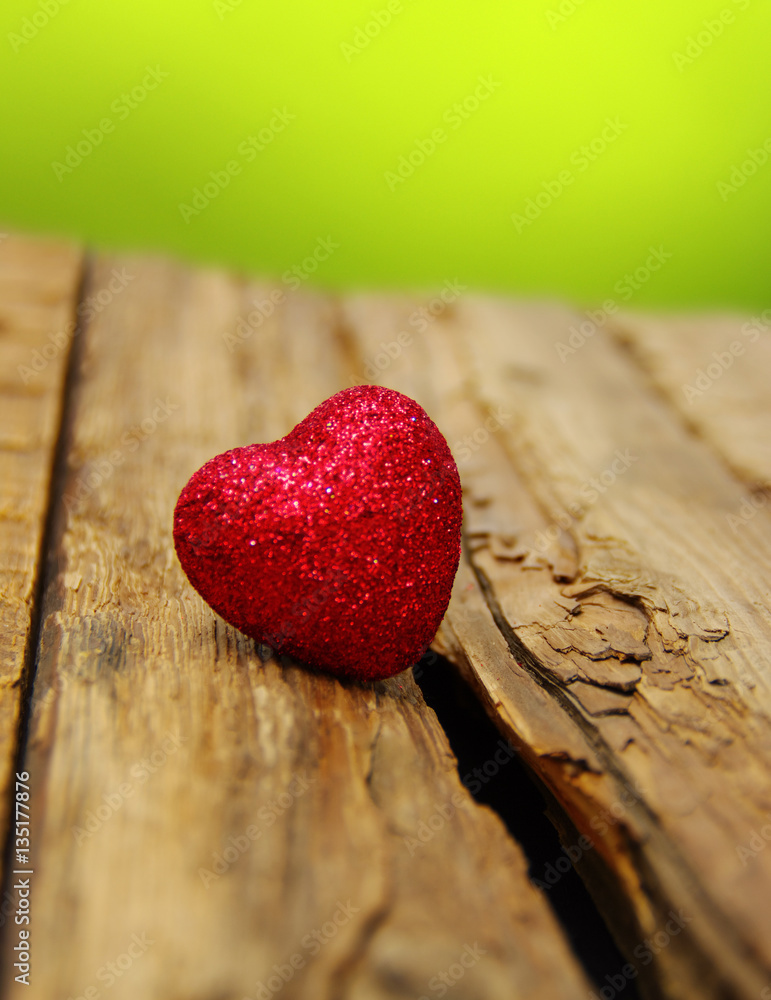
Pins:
x: 226, y: 812
x: 716, y: 371
x: 615, y: 626
x: 38, y: 294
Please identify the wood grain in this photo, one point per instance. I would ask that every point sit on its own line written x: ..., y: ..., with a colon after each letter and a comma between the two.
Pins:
x: 614, y: 624
x: 210, y: 823
x: 206, y: 818
x: 38, y: 294
x: 715, y: 370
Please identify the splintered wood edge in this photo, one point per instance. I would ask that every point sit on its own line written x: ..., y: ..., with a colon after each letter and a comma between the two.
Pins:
x: 701, y: 659
x: 584, y: 711
x: 161, y: 743
x: 623, y: 681
x: 39, y: 282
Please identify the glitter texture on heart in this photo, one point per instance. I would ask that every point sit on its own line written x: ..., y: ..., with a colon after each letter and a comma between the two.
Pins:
x: 338, y: 544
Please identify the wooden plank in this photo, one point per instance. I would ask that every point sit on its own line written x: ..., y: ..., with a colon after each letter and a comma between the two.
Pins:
x: 38, y: 294
x: 716, y: 371
x: 231, y: 815
x: 613, y: 624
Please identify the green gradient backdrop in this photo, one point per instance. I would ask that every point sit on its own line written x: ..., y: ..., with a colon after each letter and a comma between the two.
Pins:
x: 357, y: 112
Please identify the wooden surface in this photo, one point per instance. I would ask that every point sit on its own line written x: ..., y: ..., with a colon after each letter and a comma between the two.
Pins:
x: 714, y: 372
x: 38, y: 297
x: 203, y: 816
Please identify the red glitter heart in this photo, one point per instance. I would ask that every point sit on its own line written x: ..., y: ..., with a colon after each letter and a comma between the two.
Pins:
x: 337, y: 544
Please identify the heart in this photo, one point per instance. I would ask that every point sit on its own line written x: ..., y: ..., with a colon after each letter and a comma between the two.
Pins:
x: 337, y: 544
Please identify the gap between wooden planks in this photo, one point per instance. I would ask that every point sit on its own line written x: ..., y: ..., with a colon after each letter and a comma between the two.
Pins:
x: 39, y: 283
x: 209, y: 815
x: 620, y: 640
x: 617, y: 626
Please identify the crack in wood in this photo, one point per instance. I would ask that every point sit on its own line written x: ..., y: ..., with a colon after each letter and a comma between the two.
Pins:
x: 669, y: 875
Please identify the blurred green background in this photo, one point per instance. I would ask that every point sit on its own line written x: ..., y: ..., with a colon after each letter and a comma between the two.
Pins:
x: 423, y: 140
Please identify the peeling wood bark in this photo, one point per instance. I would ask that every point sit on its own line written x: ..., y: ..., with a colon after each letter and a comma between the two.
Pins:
x: 226, y: 812
x: 615, y: 626
x: 38, y: 294
x: 194, y: 794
